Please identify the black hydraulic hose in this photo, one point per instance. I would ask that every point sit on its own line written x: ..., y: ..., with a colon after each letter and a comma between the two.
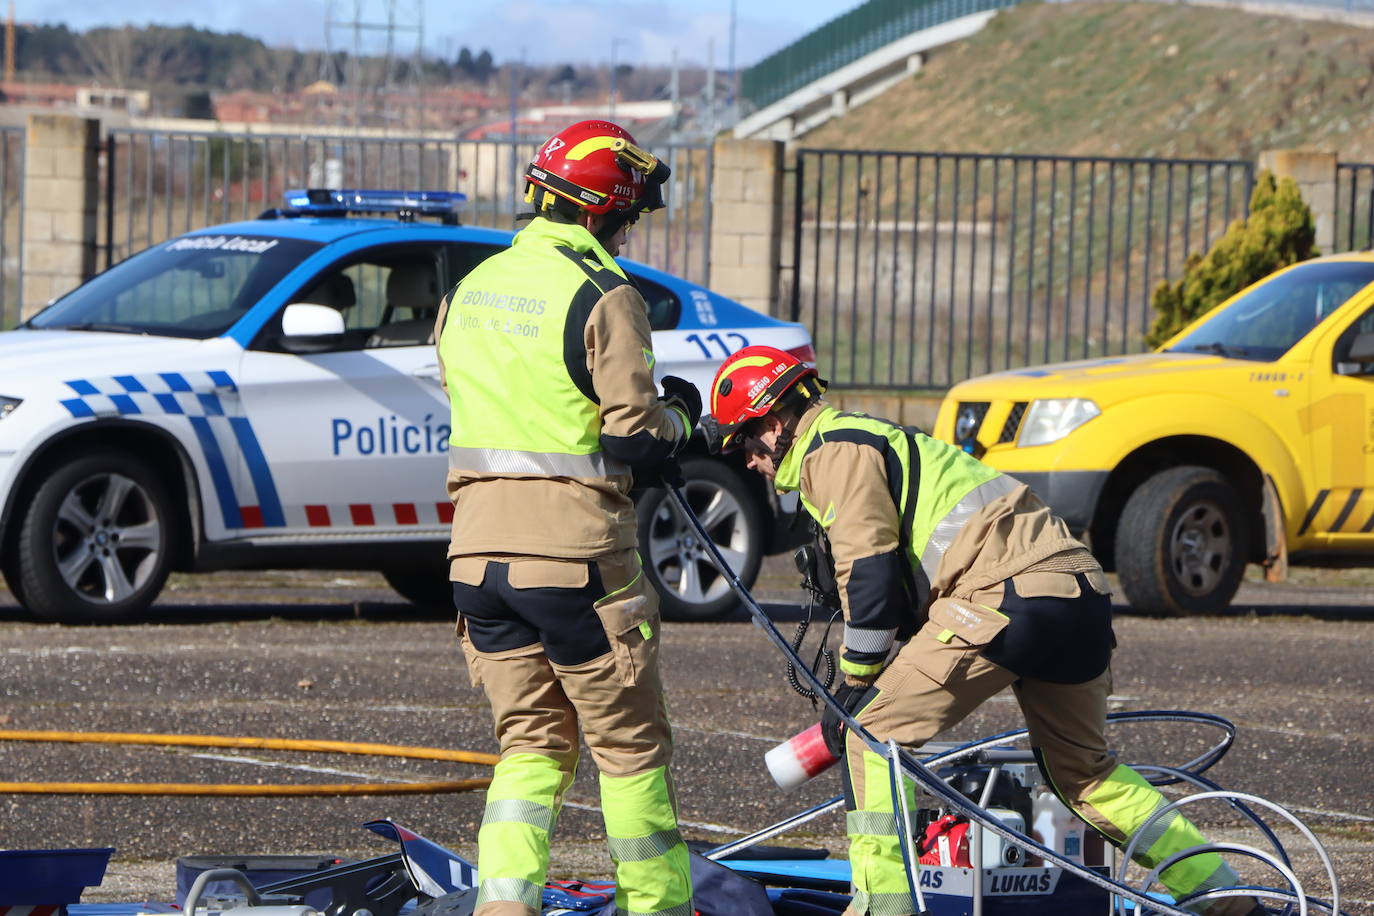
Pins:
x: 924, y: 776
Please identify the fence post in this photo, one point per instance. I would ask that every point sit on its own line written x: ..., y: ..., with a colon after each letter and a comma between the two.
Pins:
x: 61, y: 188
x: 1314, y: 172
x: 746, y: 221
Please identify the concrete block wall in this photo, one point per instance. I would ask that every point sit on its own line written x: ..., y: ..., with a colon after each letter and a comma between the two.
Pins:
x: 61, y: 188
x: 746, y: 221
x: 1314, y: 171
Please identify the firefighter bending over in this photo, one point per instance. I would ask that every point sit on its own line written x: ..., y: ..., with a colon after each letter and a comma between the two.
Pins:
x: 546, y: 355
x: 988, y: 589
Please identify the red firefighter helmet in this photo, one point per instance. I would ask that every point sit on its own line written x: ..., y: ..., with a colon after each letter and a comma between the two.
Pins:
x: 597, y: 166
x: 748, y: 385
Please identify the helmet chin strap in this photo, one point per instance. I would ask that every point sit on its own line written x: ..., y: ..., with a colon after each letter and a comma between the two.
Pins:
x: 611, y: 223
x: 785, y: 439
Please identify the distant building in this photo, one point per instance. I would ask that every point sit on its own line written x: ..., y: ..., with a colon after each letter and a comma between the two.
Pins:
x: 38, y: 95
x: 441, y: 108
x: 93, y: 99
x: 132, y: 102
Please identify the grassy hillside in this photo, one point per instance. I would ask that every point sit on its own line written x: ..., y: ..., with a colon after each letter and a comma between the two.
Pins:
x: 1127, y: 79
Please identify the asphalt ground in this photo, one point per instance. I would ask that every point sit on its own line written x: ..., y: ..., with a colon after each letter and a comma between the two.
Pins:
x: 338, y: 656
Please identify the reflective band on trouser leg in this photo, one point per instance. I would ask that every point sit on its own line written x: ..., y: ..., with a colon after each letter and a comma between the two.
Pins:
x: 875, y: 859
x: 513, y: 843
x: 1126, y: 800
x: 652, y: 868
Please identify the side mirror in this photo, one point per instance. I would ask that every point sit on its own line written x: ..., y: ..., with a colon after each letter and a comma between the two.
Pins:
x: 310, y: 328
x: 1361, y: 354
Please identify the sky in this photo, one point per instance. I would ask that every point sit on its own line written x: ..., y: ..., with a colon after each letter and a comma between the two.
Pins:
x: 639, y: 32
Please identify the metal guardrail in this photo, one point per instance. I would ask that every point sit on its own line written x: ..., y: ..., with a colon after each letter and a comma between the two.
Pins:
x: 918, y: 270
x: 11, y: 224
x: 158, y: 184
x: 847, y: 38
x: 876, y: 23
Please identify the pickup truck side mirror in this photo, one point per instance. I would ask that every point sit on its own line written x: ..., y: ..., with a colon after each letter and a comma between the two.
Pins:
x: 1360, y: 359
x: 310, y: 328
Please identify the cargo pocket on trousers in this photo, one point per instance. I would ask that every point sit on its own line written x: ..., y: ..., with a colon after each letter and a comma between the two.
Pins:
x: 629, y: 614
x: 953, y: 634
x: 468, y: 571
x: 469, y: 653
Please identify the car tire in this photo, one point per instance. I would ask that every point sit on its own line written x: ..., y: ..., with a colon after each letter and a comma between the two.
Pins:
x: 678, y: 566
x: 95, y: 542
x: 425, y: 587
x: 1181, y: 543
x: 9, y: 568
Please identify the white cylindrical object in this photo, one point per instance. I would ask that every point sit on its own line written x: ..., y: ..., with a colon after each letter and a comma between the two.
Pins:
x: 799, y: 759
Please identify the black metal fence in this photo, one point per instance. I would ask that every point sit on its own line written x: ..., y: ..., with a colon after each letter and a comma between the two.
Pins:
x: 158, y: 184
x: 918, y: 270
x: 1354, y: 206
x: 11, y: 224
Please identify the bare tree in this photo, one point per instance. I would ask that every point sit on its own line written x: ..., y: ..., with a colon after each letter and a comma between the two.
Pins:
x: 109, y: 54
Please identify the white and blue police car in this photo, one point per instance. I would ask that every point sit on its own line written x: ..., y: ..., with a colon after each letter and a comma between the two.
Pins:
x: 265, y: 394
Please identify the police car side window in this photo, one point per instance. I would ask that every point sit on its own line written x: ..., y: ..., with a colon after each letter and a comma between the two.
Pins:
x: 463, y: 257
x: 384, y: 295
x: 664, y: 306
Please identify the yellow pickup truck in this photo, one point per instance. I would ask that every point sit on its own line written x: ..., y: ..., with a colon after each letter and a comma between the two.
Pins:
x: 1247, y: 437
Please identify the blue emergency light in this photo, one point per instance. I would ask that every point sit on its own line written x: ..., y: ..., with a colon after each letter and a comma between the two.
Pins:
x: 332, y: 201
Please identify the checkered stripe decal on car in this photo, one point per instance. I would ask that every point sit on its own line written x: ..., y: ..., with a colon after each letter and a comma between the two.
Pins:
x: 197, y: 397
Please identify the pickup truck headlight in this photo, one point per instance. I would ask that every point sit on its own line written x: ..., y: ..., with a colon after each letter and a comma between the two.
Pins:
x: 7, y: 405
x: 1051, y: 419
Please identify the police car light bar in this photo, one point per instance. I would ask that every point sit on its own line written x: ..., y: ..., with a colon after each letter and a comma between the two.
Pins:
x: 329, y: 200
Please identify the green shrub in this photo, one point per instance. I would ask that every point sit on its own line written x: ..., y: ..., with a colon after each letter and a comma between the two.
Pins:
x: 1279, y: 231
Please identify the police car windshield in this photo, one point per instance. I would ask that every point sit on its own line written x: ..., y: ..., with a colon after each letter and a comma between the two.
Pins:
x: 1265, y: 322
x: 195, y: 286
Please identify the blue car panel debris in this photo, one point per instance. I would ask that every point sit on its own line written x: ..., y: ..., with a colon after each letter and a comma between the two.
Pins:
x: 49, y: 877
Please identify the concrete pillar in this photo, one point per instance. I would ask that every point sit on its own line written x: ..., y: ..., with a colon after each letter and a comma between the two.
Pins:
x: 746, y: 221
x: 914, y: 63
x: 839, y: 102
x: 1314, y: 172
x: 61, y: 190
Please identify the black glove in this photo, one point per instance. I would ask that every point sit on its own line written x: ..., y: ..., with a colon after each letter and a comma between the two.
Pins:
x: 712, y: 432
x: 680, y: 393
x: 667, y: 473
x: 852, y: 697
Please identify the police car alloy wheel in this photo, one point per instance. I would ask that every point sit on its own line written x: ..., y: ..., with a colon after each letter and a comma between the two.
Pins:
x: 679, y: 568
x: 96, y: 538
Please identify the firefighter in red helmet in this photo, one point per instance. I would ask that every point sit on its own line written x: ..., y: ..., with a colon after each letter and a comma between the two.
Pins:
x: 956, y: 582
x: 546, y: 356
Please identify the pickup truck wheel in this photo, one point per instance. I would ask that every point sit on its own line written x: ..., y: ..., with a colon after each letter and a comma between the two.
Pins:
x: 678, y: 566
x: 428, y: 587
x: 95, y: 541
x: 1181, y: 543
